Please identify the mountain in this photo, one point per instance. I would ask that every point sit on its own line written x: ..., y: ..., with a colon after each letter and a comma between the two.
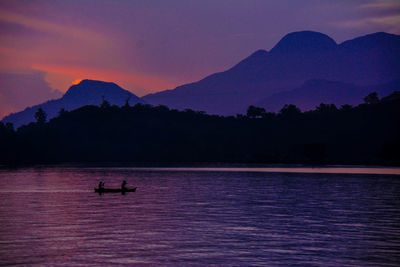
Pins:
x: 313, y: 92
x: 295, y: 59
x: 87, y: 92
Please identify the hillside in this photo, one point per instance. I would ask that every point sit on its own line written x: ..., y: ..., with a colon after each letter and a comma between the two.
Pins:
x: 297, y: 58
x: 313, y: 92
x: 87, y: 92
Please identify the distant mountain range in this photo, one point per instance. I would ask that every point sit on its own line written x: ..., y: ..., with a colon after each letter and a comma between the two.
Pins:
x: 87, y: 92
x: 304, y: 68
x: 314, y: 92
x: 362, y: 64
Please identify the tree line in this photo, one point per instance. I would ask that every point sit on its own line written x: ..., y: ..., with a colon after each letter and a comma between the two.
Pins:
x: 365, y: 134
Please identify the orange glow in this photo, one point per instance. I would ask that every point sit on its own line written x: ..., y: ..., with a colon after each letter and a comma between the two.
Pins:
x: 138, y: 83
x: 77, y: 81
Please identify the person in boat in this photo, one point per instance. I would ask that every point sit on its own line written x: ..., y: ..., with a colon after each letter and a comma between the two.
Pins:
x: 123, y: 185
x: 101, y: 185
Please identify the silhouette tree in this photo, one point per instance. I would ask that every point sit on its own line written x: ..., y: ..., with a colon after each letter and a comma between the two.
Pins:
x: 126, y: 105
x: 40, y: 116
x: 62, y: 112
x: 392, y: 97
x: 366, y: 134
x: 315, y: 153
x: 255, y: 112
x: 372, y: 98
x: 162, y: 108
x: 105, y: 104
x: 9, y: 126
x: 326, y: 108
x: 289, y: 111
x: 346, y: 107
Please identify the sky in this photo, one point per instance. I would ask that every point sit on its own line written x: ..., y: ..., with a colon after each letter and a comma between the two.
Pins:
x: 149, y: 46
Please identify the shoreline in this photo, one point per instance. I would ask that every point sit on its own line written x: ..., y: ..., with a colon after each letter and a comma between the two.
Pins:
x: 225, y: 167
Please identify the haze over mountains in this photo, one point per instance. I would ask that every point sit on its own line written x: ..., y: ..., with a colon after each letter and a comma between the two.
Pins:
x: 304, y: 68
x: 314, y: 92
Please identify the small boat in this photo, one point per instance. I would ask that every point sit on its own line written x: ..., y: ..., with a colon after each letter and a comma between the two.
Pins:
x: 111, y: 190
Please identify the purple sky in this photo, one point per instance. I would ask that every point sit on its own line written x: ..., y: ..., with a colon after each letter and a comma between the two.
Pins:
x: 149, y: 46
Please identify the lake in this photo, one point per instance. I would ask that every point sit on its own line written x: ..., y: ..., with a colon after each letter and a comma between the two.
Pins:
x: 201, y: 216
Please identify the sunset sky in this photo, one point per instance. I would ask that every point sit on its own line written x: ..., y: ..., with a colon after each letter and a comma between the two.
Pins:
x: 149, y: 46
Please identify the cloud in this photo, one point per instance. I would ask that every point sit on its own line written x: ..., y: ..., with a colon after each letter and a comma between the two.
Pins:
x: 71, y: 53
x: 148, y: 46
x: 50, y: 27
x: 389, y: 23
x: 20, y: 90
x: 382, y: 15
x: 381, y: 4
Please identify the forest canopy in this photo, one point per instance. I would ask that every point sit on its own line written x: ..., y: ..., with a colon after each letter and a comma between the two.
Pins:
x: 366, y: 134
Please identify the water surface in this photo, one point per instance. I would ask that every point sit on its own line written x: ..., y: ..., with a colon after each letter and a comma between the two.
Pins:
x: 248, y: 217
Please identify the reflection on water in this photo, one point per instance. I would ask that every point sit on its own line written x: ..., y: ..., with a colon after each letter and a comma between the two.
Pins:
x: 326, y: 170
x: 51, y: 216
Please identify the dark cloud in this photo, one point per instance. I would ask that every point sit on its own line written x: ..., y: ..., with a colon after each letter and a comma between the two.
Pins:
x: 19, y: 90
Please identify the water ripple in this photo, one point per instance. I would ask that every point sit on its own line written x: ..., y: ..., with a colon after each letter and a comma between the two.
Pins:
x: 188, y: 217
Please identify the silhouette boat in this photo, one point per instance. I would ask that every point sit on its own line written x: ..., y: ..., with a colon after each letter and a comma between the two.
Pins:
x: 114, y: 190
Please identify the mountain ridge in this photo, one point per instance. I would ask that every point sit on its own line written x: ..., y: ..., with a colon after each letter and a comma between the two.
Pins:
x: 363, y: 62
x: 87, y: 92
x: 303, y: 41
x: 264, y: 73
x: 313, y: 92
